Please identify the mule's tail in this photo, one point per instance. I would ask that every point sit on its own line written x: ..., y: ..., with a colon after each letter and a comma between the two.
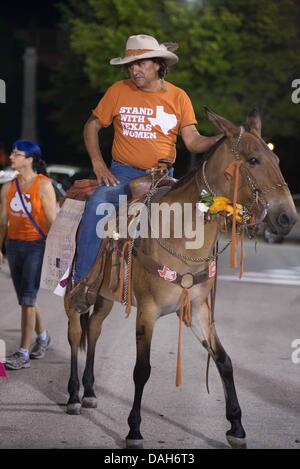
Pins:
x: 84, y: 322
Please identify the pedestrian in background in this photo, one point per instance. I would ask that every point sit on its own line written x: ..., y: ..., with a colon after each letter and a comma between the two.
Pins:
x: 28, y: 208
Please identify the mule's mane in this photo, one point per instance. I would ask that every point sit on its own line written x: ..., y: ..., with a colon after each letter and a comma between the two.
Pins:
x: 205, y: 157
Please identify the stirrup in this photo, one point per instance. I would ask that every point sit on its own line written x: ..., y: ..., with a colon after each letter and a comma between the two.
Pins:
x: 79, y: 297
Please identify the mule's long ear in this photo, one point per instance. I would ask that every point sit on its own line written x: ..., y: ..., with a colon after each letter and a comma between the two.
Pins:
x: 253, y: 122
x: 221, y: 123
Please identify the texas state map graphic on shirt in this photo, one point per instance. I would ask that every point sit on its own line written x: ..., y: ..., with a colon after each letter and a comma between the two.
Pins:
x: 163, y: 119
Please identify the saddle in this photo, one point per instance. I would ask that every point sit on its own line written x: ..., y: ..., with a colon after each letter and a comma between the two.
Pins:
x: 82, y: 189
x: 83, y: 295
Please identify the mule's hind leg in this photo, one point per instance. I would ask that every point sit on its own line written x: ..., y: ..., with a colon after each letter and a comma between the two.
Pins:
x: 144, y: 329
x: 205, y: 331
x: 74, y: 337
x: 101, y: 310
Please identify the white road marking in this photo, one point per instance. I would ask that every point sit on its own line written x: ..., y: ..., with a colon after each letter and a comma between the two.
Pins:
x: 289, y: 277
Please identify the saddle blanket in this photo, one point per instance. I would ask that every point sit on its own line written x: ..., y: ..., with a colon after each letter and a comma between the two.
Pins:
x: 61, y: 246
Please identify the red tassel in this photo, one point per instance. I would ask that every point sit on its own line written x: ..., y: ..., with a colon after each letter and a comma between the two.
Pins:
x: 233, y: 170
x: 184, y: 316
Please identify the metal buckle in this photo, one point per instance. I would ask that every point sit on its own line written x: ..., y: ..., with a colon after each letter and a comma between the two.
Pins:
x: 155, y: 171
x: 187, y: 280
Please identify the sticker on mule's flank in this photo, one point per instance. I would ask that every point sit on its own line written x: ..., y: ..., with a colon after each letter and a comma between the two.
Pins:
x: 167, y: 274
x: 212, y: 269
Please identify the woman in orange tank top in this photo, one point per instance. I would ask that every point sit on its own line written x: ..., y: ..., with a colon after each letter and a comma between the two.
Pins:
x: 28, y: 208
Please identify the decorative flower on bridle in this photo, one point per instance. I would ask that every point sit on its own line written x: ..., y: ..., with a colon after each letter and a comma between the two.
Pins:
x: 213, y: 205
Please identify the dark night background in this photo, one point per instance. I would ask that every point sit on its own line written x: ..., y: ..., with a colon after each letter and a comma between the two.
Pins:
x: 29, y: 16
x: 34, y: 23
x: 20, y: 21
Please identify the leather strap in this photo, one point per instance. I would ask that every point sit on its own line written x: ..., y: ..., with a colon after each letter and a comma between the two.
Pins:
x: 186, y: 280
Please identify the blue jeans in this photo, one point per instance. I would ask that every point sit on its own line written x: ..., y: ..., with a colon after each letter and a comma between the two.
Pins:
x: 89, y: 241
x: 25, y: 259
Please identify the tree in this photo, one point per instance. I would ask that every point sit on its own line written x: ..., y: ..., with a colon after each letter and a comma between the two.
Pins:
x: 266, y: 61
x: 234, y: 55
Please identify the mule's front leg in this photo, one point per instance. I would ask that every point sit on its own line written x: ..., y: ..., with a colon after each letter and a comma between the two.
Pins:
x: 101, y: 310
x: 144, y: 330
x: 74, y: 336
x: 236, y: 436
x: 205, y: 331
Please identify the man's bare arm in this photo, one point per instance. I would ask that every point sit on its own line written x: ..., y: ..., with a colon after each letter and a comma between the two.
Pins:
x: 91, y: 140
x: 3, y: 217
x: 48, y: 199
x: 195, y: 142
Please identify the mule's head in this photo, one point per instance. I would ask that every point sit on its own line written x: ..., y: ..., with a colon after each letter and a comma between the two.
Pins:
x: 262, y: 188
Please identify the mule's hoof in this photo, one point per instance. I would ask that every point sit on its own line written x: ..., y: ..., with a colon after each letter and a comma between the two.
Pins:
x: 89, y: 402
x: 236, y: 443
x: 74, y: 409
x: 134, y: 444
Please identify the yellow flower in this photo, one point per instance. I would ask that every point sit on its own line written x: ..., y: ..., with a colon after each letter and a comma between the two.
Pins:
x: 229, y: 209
x: 219, y: 204
x: 223, y: 204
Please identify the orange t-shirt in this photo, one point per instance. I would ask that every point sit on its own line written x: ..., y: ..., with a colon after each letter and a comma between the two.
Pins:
x: 19, y: 224
x: 146, y: 123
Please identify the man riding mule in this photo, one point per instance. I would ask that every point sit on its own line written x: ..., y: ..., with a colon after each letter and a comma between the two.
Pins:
x: 147, y: 114
x: 163, y: 276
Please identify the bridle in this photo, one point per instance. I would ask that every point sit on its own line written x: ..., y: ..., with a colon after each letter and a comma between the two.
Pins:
x: 257, y: 192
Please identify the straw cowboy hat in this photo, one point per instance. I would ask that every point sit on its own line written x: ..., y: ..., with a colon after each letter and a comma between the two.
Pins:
x: 142, y: 46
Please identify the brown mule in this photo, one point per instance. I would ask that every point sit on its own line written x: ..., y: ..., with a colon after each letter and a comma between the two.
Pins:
x: 262, y: 189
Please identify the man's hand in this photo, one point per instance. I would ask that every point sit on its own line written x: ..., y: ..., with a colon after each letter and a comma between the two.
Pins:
x: 104, y: 176
x: 90, y: 134
x: 1, y: 258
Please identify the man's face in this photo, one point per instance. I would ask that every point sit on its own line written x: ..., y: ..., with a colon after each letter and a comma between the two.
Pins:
x: 18, y: 159
x: 143, y: 73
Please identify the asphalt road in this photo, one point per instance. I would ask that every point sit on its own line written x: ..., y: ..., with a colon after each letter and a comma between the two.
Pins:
x: 257, y: 321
